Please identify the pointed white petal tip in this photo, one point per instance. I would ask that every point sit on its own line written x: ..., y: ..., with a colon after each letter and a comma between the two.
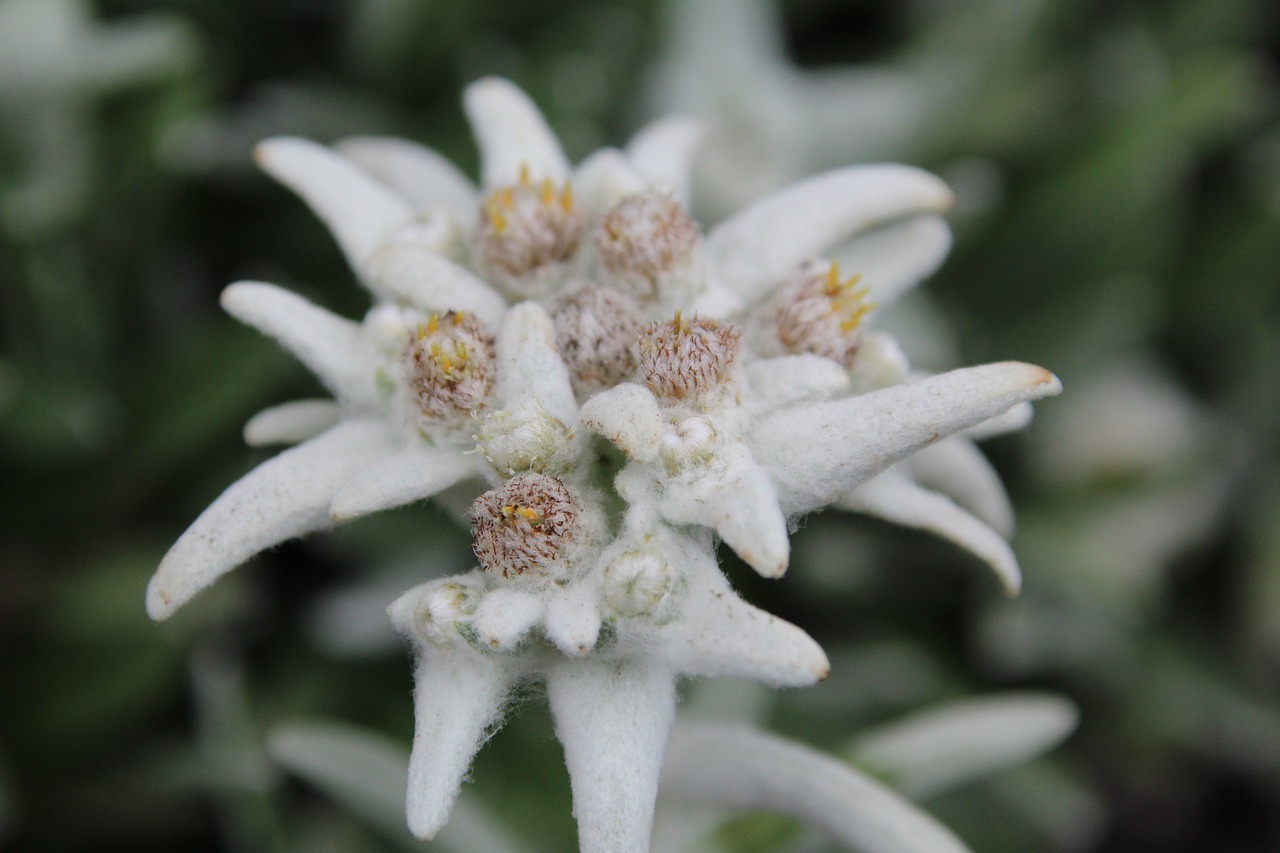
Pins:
x: 160, y: 602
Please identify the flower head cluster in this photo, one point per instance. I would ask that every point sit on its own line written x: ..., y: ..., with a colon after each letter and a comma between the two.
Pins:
x: 516, y: 324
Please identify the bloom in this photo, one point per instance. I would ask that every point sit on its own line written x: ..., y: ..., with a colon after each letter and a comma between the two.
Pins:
x: 512, y: 323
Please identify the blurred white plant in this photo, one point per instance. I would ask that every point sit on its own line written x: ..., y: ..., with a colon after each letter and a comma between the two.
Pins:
x: 55, y: 61
x: 735, y: 373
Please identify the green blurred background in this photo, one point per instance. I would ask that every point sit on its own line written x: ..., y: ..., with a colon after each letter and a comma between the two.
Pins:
x: 1117, y: 166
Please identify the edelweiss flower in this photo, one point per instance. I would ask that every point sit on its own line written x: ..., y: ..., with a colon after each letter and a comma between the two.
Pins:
x: 735, y: 411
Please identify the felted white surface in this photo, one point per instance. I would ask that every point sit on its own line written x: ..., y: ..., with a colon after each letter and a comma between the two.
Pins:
x: 893, y: 496
x: 817, y: 452
x: 334, y: 348
x: 420, y: 277
x: 529, y: 365
x: 506, y: 616
x: 286, y: 496
x: 573, y: 619
x: 627, y: 415
x: 662, y: 152
x: 612, y: 719
x: 361, y: 213
x: 458, y: 696
x: 400, y: 477
x: 719, y: 634
x: 418, y: 174
x: 744, y: 769
x: 290, y: 423
x: 758, y: 247
x: 511, y: 132
x: 790, y: 379
x: 958, y: 469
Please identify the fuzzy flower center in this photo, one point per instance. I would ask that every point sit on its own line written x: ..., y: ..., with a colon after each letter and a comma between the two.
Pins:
x: 685, y: 359
x: 642, y: 238
x: 449, y: 361
x: 525, y: 525
x: 819, y: 312
x: 526, y: 228
x: 596, y: 333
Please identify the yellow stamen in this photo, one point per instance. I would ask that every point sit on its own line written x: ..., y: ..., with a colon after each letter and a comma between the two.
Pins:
x: 524, y: 174
x: 433, y: 324
x: 566, y: 196
x: 548, y: 191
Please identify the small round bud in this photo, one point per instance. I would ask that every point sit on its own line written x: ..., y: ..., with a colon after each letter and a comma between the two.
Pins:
x: 596, y: 333
x: 527, y: 525
x: 692, y: 440
x: 526, y: 233
x: 441, y: 609
x: 685, y: 359
x: 817, y: 312
x: 527, y: 438
x: 636, y: 583
x: 449, y: 362
x: 642, y: 239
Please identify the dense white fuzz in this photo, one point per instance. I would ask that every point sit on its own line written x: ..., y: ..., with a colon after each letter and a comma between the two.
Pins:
x: 419, y: 175
x: 505, y: 617
x: 605, y: 177
x: 1011, y: 421
x: 530, y: 369
x: 361, y: 213
x: 335, y: 349
x: 613, y: 719
x: 413, y: 473
x: 638, y: 582
x: 458, y: 696
x: 526, y: 438
x: 573, y: 619
x: 809, y: 217
x: 511, y: 134
x: 817, y: 452
x: 787, y: 379
x: 290, y: 423
x: 629, y: 416
x: 285, y: 496
x: 414, y: 274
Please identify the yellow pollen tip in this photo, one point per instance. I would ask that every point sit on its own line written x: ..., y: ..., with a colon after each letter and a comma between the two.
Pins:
x: 548, y: 191
x: 507, y: 197
x: 566, y: 196
x: 524, y: 173
x: 457, y: 317
x: 433, y: 324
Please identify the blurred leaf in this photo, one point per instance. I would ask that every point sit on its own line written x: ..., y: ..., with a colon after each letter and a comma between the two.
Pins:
x: 956, y: 743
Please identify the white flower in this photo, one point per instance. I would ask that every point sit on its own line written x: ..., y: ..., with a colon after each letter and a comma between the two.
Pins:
x: 445, y: 381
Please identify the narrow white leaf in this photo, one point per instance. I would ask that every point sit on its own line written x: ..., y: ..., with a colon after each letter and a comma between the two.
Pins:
x: 415, y: 275
x: 511, y: 133
x: 286, y: 496
x: 944, y: 747
x: 744, y: 769
x: 760, y: 246
x: 334, y: 348
x: 361, y: 213
x: 418, y: 174
x: 613, y: 719
x: 291, y: 423
x: 400, y: 477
